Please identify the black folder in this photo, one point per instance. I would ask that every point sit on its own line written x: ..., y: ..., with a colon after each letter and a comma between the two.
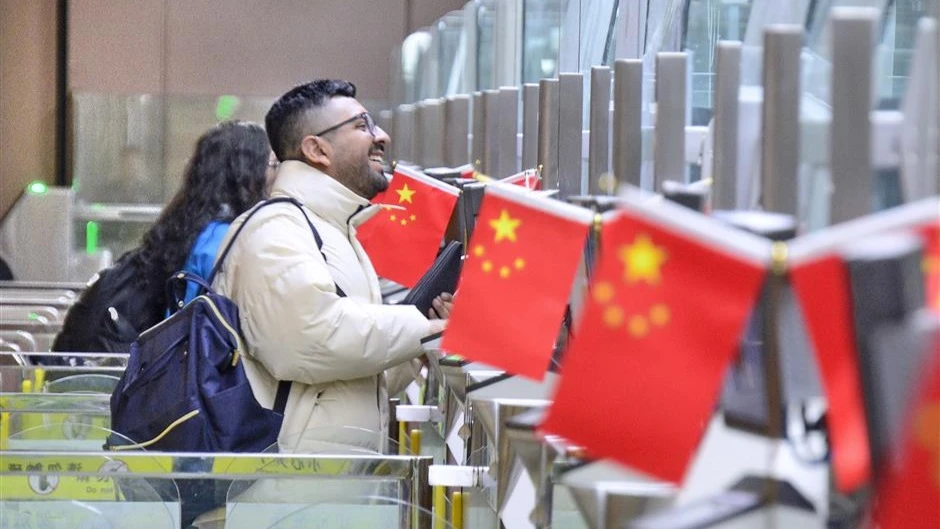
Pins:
x: 441, y: 277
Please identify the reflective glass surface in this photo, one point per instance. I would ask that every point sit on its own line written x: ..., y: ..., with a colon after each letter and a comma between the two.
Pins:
x: 451, y: 53
x: 897, y: 48
x: 412, y: 60
x: 541, y: 28
x: 707, y: 22
x: 486, y: 45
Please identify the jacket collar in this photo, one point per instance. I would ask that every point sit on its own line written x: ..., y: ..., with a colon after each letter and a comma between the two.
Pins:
x: 329, y: 199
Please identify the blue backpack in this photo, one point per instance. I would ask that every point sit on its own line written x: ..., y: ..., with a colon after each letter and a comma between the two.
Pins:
x: 185, y: 389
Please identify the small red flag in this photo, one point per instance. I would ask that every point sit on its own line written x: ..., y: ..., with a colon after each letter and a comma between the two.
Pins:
x: 402, y: 240
x: 830, y: 329
x: 817, y: 274
x: 530, y: 179
x: 665, y: 312
x: 908, y: 497
x: 516, y: 280
x: 466, y: 170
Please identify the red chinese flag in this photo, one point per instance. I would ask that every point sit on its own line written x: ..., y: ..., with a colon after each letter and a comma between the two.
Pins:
x: 821, y: 283
x: 665, y: 312
x: 402, y: 240
x: 466, y: 171
x: 530, y: 179
x: 516, y: 280
x: 908, y: 497
x: 822, y: 288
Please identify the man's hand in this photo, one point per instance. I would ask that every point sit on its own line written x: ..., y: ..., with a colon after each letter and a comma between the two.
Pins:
x: 440, y: 307
x: 437, y: 325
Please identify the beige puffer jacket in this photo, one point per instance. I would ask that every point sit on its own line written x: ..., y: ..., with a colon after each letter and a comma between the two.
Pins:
x: 342, y: 354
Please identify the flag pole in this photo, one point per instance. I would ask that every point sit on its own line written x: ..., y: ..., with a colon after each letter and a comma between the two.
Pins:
x: 773, y: 383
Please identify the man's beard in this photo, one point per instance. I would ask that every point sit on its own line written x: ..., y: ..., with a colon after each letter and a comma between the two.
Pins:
x: 364, y: 180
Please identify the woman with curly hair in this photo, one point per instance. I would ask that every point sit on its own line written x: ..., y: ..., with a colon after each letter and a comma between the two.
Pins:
x: 228, y: 174
x: 230, y: 171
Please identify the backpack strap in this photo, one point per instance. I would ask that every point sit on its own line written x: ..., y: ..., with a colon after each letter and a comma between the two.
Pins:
x: 283, y: 387
x: 176, y: 288
x: 280, y: 400
x: 268, y: 202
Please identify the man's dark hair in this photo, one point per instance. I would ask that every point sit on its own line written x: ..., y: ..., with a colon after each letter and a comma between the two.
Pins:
x: 286, y: 119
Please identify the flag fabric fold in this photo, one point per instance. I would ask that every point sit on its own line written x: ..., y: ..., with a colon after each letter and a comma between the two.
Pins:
x: 402, y: 240
x: 829, y: 324
x: 908, y: 495
x: 530, y: 179
x: 665, y: 312
x: 820, y: 280
x: 516, y: 280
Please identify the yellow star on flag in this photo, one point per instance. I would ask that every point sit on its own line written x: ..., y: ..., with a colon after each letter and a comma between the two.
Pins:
x: 642, y: 260
x: 505, y: 226
x: 404, y: 194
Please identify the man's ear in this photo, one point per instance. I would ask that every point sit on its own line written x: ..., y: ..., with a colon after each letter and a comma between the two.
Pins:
x: 316, y: 151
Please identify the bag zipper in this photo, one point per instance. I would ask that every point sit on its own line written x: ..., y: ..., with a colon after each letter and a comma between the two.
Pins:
x: 159, y: 436
x: 239, y: 346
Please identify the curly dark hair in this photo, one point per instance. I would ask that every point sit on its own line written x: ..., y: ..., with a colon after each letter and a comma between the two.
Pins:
x: 285, y: 121
x: 224, y: 177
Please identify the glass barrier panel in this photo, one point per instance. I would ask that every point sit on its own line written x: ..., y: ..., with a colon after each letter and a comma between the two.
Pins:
x: 565, y: 512
x: 817, y: 61
x: 48, y: 501
x: 762, y: 14
x: 414, y: 51
x: 117, y: 148
x: 897, y: 48
x: 83, y: 383
x: 432, y: 442
x: 894, y: 57
x: 486, y: 45
x: 707, y: 22
x: 541, y: 27
x: 61, y: 490
x: 72, y: 363
x: 663, y: 27
x: 128, y: 155
x: 767, y: 12
x: 193, y: 488
x: 663, y: 33
x: 265, y: 502
x: 452, y: 53
x: 598, y: 19
x: 478, y: 507
x: 36, y: 421
x: 87, y: 378
x: 328, y: 502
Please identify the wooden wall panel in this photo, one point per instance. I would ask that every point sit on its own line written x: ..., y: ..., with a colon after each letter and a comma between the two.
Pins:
x: 27, y: 95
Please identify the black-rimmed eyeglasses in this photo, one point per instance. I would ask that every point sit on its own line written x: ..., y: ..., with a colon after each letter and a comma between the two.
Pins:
x: 365, y: 117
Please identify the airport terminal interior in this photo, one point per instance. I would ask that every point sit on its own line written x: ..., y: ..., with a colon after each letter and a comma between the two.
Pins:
x: 694, y: 246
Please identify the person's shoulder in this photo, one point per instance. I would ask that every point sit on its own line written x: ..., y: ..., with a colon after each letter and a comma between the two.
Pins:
x: 290, y: 211
x: 211, y: 235
x: 214, y: 230
x: 276, y: 222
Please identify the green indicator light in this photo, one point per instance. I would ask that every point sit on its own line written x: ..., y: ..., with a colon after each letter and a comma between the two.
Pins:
x: 225, y: 107
x: 33, y: 316
x: 37, y: 187
x: 91, y: 237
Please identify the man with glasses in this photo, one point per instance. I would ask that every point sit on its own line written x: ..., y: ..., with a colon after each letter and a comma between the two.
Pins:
x: 316, y: 317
